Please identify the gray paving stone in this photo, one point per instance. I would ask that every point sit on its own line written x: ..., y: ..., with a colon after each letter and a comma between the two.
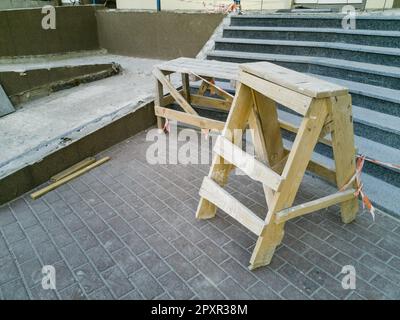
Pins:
x: 86, y: 238
x: 96, y: 224
x: 175, y: 286
x: 23, y: 251
x: 213, y: 251
x: 181, y: 266
x: 391, y: 244
x: 126, y: 261
x: 88, y: 278
x: 345, y: 247
x: 13, y: 232
x: 38, y: 293
x: 101, y: 294
x: 110, y: 240
x: 297, y: 278
x: 292, y: 293
x: 316, y: 229
x: 271, y: 278
x: 48, y: 253
x: 119, y: 226
x: 160, y: 245
x: 100, y: 258
x: 32, y: 272
x: 214, y: 234
x: 233, y: 290
x: 142, y: 227
x: 329, y: 266
x: 135, y: 243
x: 293, y: 258
x: 210, y: 269
x: 6, y: 216
x: 322, y: 294
x: 373, y: 250
x: 104, y: 210
x: 154, y: 263
x: 262, y: 292
x: 37, y: 234
x: 239, y: 273
x: 321, y: 246
x: 381, y: 268
x: 239, y: 236
x: 326, y: 281
x: 168, y: 232
x: 64, y: 276
x: 73, y: 292
x: 61, y: 237
x: 362, y: 270
x: 190, y: 232
x: 126, y: 212
x: 50, y: 220
x: 8, y: 270
x: 205, y: 289
x: 14, y: 290
x: 74, y: 255
x: 117, y: 281
x: 146, y: 284
x: 388, y: 288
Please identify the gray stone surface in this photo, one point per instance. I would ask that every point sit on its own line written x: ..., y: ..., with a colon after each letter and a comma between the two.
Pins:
x: 5, y: 104
x: 112, y: 243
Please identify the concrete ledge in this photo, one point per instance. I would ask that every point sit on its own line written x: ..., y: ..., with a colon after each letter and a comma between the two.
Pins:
x: 35, y: 174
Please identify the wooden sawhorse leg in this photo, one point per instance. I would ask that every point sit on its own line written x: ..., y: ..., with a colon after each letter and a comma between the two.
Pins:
x: 219, y: 170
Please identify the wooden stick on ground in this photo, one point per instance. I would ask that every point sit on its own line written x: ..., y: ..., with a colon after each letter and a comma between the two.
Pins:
x: 66, y: 179
x: 80, y: 165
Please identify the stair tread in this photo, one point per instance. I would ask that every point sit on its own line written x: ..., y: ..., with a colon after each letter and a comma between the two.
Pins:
x: 366, y: 32
x: 336, y: 63
x: 366, y: 89
x: 315, y: 16
x: 365, y: 146
x: 377, y: 119
x: 381, y: 193
x: 313, y: 44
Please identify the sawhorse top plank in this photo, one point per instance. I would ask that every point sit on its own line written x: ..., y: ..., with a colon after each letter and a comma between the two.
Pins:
x: 205, y: 68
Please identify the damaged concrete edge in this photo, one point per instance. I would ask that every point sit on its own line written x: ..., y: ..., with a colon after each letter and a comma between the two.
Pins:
x: 61, y: 78
x: 64, y: 152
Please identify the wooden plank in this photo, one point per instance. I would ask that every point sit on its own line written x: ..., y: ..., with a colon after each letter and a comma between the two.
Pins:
x: 292, y: 174
x: 186, y: 86
x: 158, y: 101
x: 293, y: 80
x: 210, y: 102
x: 223, y: 200
x: 247, y: 163
x: 314, y: 205
x: 194, y: 120
x: 292, y: 128
x: 293, y: 100
x: 177, y: 96
x: 219, y: 170
x: 72, y: 169
x: 66, y: 179
x: 344, y: 150
x: 205, y: 68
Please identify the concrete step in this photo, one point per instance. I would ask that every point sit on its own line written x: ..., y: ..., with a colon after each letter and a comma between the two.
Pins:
x: 381, y: 38
x: 367, y: 147
x: 382, y: 194
x: 363, y: 22
x: 344, y: 51
x: 377, y: 75
x: 375, y: 98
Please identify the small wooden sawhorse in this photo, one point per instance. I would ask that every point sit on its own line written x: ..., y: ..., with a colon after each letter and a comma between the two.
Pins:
x: 325, y: 108
x: 207, y: 70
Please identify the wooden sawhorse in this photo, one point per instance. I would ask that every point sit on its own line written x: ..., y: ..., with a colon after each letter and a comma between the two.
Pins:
x: 325, y: 107
x: 207, y: 70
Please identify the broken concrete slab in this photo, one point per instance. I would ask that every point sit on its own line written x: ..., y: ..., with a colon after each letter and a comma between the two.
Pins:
x: 5, y: 104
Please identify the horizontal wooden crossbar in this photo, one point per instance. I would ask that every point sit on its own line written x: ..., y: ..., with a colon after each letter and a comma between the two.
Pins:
x: 291, y: 99
x: 210, y: 102
x: 211, y: 191
x: 194, y: 120
x: 314, y: 205
x: 247, y: 163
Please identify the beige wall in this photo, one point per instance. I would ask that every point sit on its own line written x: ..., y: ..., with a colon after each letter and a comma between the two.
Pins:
x: 204, y: 5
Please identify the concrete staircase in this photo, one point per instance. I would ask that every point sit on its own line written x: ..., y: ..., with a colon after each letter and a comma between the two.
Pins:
x: 366, y: 60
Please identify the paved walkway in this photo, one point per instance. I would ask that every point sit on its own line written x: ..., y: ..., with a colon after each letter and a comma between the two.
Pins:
x: 126, y: 230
